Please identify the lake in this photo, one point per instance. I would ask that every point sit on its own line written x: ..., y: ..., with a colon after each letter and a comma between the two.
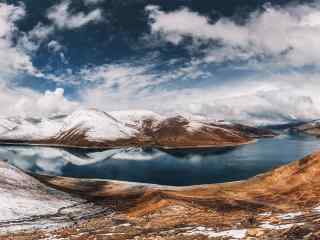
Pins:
x: 178, y: 168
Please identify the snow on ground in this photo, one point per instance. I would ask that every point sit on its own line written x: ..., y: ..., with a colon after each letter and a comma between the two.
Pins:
x: 317, y: 209
x: 136, y: 117
x: 265, y: 214
x: 267, y: 225
x: 195, y: 126
x: 22, y: 196
x: 209, y: 232
x: 26, y: 204
x: 289, y: 216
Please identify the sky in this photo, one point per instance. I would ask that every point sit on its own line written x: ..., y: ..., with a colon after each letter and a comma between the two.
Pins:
x: 255, y: 61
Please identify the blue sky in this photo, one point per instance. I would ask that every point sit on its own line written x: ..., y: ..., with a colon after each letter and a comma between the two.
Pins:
x: 254, y: 61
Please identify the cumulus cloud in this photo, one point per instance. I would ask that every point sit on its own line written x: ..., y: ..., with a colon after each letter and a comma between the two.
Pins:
x: 287, y: 36
x: 259, y: 99
x: 28, y: 103
x: 279, y: 35
x: 12, y: 58
x: 63, y: 18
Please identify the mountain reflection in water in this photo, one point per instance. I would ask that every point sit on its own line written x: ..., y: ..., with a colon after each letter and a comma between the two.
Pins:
x: 168, y: 167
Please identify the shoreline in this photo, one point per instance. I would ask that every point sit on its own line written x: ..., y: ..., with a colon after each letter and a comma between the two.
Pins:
x: 66, y: 146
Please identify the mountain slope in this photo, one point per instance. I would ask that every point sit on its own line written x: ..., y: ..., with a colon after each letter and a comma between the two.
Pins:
x: 181, y: 132
x: 281, y: 204
x: 311, y: 128
x: 27, y: 204
x: 97, y: 129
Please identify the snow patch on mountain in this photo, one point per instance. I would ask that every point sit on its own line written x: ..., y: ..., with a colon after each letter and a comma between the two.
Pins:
x: 97, y: 125
x: 136, y: 117
x: 88, y: 127
x: 28, y: 129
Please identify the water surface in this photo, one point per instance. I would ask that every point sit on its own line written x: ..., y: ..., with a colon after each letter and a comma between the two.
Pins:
x: 168, y: 168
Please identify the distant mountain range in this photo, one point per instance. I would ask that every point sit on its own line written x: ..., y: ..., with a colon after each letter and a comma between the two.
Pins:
x: 310, y: 128
x: 97, y: 129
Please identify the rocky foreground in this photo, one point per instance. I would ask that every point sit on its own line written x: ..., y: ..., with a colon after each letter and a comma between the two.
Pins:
x: 281, y: 204
x: 97, y: 129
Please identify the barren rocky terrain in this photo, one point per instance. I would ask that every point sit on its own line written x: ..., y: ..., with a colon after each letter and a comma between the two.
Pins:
x: 281, y: 204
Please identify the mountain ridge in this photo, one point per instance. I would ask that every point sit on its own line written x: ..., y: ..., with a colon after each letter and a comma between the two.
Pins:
x: 97, y: 129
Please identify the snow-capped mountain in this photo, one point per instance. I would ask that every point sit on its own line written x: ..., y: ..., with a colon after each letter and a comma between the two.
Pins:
x: 97, y: 129
x: 137, y: 118
x: 311, y: 128
x: 17, y: 128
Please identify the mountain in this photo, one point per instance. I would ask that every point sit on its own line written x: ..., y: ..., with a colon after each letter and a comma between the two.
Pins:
x: 311, y: 128
x: 97, y: 129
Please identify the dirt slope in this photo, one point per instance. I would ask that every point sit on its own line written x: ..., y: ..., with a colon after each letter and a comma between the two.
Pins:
x: 281, y: 204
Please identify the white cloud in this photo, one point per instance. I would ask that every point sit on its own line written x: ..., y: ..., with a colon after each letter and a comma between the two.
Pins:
x: 119, y: 77
x: 288, y: 36
x: 41, y: 31
x: 29, y: 103
x: 32, y: 40
x: 125, y: 84
x: 63, y: 18
x: 258, y: 99
x: 116, y: 83
x: 55, y: 46
x: 8, y: 15
x: 17, y: 48
x: 275, y: 34
x: 89, y: 2
x: 52, y: 102
x: 12, y: 58
x: 261, y: 107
